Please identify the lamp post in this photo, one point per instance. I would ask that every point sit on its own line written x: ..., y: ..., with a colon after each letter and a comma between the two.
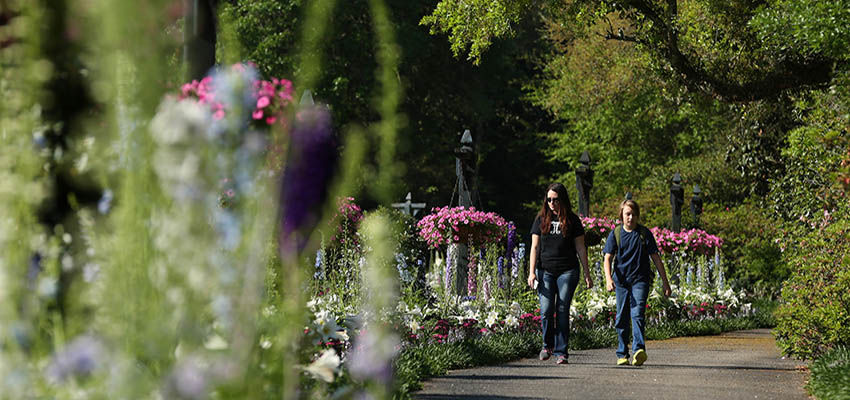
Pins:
x: 584, y: 182
x: 464, y: 168
x: 199, y: 37
x: 464, y: 156
x: 677, y: 198
x: 696, y: 203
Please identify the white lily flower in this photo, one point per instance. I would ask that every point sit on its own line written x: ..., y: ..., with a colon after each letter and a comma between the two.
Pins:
x: 516, y: 309
x: 413, y: 325
x: 511, y: 321
x: 327, y: 327
x: 492, y: 318
x: 215, y: 342
x: 325, y: 367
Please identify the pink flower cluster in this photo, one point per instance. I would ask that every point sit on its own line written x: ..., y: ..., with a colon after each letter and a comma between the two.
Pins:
x: 346, y: 219
x: 599, y: 225
x: 462, y: 225
x: 694, y: 240
x: 272, y: 97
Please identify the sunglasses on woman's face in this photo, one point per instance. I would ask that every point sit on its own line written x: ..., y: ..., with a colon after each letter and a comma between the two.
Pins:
x: 551, y: 199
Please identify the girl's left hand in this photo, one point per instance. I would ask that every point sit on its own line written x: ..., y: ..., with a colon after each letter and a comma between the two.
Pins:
x: 588, y: 281
x: 666, y: 289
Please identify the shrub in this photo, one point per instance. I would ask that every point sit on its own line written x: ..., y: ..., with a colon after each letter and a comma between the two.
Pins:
x: 753, y: 258
x: 830, y: 377
x: 816, y: 314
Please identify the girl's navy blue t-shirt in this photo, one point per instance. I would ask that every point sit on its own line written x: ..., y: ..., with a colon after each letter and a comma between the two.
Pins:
x: 558, y: 252
x: 633, y: 259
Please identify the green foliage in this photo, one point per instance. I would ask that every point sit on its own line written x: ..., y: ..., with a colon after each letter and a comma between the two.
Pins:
x: 830, y: 375
x: 474, y: 24
x: 816, y: 314
x: 411, y: 254
x: 752, y: 257
x: 618, y: 110
x: 421, y: 362
x: 719, y: 182
x: 814, y: 153
x: 442, y: 96
x: 811, y: 27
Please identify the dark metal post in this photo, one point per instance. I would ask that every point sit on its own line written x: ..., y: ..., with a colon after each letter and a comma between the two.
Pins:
x: 464, y: 168
x: 464, y: 157
x: 696, y: 204
x: 584, y: 182
x: 677, y: 198
x: 199, y: 37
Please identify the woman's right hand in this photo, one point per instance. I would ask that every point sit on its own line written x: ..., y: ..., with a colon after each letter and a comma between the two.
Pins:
x: 531, y: 279
x: 609, y: 285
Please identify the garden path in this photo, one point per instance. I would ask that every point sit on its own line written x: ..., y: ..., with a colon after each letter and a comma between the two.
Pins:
x: 734, y: 365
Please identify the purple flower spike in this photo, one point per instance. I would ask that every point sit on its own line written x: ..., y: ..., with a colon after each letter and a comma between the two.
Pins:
x: 79, y: 358
x: 309, y: 168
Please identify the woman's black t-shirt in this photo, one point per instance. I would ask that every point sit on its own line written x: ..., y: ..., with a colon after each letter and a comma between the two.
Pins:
x: 558, y: 252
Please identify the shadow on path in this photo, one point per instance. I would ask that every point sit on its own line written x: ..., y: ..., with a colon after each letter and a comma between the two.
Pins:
x: 735, y: 365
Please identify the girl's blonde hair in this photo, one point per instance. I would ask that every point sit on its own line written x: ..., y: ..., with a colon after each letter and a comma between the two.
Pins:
x: 631, y: 204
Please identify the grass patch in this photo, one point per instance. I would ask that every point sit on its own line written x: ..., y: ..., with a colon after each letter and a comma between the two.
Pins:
x: 830, y: 378
x: 418, y: 363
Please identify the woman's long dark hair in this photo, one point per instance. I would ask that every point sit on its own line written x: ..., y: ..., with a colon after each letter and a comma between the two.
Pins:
x: 565, y: 210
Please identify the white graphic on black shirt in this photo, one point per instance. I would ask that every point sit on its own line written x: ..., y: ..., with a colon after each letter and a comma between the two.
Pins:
x: 556, y: 228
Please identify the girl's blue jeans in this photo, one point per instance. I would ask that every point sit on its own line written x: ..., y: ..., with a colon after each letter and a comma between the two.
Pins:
x: 631, y: 316
x: 555, y: 291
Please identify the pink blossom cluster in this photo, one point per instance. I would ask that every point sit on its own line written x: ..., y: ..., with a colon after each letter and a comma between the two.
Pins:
x: 694, y: 240
x: 599, y: 225
x: 271, y: 97
x: 449, y: 331
x: 462, y: 225
x: 347, y: 219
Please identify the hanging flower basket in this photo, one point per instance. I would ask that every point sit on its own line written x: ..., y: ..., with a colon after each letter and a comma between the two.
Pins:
x: 693, y: 241
x: 462, y: 225
x: 595, y: 229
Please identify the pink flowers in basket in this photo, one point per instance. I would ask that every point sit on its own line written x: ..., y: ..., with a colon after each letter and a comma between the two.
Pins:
x: 600, y: 224
x: 694, y: 240
x: 462, y: 225
x: 595, y: 229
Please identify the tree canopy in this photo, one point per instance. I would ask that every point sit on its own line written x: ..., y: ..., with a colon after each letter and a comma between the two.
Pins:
x: 736, y: 51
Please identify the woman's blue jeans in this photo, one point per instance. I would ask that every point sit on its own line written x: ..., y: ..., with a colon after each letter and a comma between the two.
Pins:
x: 631, y: 316
x: 556, y: 294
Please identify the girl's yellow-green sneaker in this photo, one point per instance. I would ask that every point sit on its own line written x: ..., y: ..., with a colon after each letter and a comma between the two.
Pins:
x: 622, y: 361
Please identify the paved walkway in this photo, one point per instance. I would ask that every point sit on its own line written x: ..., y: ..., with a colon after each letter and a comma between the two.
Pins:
x: 735, y: 365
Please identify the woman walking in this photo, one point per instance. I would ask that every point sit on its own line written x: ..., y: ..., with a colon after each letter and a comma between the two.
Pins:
x: 557, y: 238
